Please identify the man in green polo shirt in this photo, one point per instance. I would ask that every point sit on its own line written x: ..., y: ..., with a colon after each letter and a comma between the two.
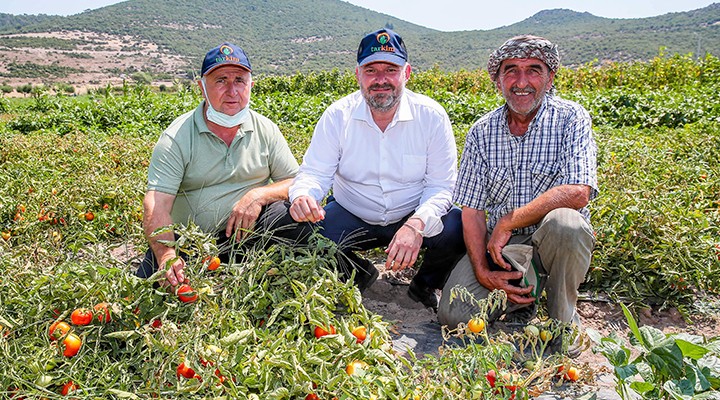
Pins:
x: 222, y: 166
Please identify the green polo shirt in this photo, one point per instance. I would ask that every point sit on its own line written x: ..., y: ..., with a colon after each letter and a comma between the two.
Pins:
x: 207, y: 176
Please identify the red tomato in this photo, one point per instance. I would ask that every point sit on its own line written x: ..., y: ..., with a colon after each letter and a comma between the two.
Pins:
x: 102, y: 310
x: 185, y: 371
x: 312, y: 396
x: 156, y: 323
x: 491, y: 377
x: 572, y: 374
x: 89, y: 216
x: 320, y: 332
x: 58, y: 329
x: 360, y: 333
x: 72, y: 345
x: 81, y: 316
x: 187, y: 294
x: 212, y: 262
x: 68, y: 388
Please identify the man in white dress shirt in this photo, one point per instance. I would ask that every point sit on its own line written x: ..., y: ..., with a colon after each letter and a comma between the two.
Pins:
x: 389, y: 156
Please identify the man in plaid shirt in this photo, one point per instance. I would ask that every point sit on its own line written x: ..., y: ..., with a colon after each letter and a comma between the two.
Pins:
x: 527, y: 173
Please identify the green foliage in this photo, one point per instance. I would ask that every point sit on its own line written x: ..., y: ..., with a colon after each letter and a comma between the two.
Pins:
x: 670, y: 366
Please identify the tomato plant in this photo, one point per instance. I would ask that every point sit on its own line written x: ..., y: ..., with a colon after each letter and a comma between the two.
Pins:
x: 81, y: 316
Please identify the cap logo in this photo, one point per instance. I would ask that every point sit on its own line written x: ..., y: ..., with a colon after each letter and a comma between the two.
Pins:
x: 383, y: 38
x: 227, y: 50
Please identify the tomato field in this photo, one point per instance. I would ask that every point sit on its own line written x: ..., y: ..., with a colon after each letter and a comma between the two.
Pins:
x: 280, y: 325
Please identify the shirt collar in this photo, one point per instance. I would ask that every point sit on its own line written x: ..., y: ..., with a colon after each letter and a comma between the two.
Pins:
x: 403, y: 113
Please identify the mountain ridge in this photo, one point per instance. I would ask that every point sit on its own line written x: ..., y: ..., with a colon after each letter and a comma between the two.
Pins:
x: 283, y: 37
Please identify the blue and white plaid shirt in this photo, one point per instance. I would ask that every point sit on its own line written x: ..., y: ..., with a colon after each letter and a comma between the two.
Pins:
x: 500, y: 172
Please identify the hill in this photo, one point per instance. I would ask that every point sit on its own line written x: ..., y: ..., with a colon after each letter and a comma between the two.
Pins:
x: 166, y: 39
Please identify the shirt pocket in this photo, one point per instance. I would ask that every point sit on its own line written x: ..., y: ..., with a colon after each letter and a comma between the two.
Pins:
x: 499, y: 186
x: 413, y: 168
x: 544, y: 177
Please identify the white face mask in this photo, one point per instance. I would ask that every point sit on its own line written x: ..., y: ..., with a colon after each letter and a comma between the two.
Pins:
x: 222, y: 119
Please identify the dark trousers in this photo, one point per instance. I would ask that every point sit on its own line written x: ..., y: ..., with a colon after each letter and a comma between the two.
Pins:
x: 274, y: 225
x: 442, y: 251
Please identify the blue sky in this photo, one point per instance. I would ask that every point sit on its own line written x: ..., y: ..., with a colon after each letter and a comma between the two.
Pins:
x: 445, y: 15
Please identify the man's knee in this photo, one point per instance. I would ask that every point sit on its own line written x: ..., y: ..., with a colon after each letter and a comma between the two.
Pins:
x: 565, y: 226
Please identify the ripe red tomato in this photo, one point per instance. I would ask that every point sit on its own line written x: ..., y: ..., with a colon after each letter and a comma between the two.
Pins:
x: 68, y: 388
x: 102, y: 310
x: 72, y: 345
x: 89, y: 216
x: 81, y: 316
x: 212, y: 262
x: 360, y: 333
x: 156, y: 323
x: 58, y: 329
x: 185, y: 371
x: 312, y: 396
x: 320, y: 332
x: 186, y: 293
x: 491, y: 377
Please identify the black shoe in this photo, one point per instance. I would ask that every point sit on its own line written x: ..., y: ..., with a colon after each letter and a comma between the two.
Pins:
x: 365, y: 274
x: 521, y: 316
x: 423, y: 294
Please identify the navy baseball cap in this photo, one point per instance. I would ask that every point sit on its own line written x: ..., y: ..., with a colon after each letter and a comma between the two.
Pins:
x: 383, y: 45
x: 225, y: 54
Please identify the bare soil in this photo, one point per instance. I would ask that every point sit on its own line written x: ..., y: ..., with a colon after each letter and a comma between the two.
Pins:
x: 102, y: 60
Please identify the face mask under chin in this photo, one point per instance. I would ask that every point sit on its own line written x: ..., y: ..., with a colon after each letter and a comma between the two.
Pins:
x: 222, y: 119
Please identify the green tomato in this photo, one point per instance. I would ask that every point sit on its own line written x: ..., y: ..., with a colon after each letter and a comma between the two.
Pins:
x: 532, y: 331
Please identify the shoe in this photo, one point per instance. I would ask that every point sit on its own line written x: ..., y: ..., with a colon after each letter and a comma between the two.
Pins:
x: 423, y: 294
x: 521, y: 316
x: 365, y: 274
x: 573, y: 337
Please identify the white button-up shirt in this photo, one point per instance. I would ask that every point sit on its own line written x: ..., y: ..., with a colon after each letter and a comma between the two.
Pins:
x: 381, y: 177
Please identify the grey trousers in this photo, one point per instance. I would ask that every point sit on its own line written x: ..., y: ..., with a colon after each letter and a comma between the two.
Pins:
x: 564, y: 243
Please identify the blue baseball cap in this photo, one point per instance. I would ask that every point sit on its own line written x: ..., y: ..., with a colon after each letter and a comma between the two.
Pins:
x: 225, y: 54
x: 383, y: 45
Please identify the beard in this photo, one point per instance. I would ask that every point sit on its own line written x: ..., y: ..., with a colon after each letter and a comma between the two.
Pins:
x: 382, y: 101
x: 522, y: 109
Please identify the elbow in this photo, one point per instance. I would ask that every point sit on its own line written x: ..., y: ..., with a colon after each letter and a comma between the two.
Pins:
x: 580, y: 196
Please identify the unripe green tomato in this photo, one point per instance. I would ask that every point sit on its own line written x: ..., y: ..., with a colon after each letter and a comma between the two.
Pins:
x: 532, y: 331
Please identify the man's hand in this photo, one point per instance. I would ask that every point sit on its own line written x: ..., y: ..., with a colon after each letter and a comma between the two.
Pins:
x: 174, y: 270
x: 404, y: 248
x: 243, y: 216
x: 498, y: 239
x: 306, y: 209
x: 493, y: 280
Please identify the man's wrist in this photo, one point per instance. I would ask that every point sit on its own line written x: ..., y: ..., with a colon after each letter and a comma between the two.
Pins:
x: 410, y: 223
